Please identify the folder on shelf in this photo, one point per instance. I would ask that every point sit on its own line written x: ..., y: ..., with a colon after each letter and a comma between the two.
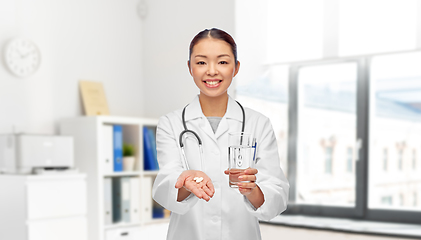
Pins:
x: 125, y: 199
x: 157, y: 212
x: 108, y: 217
x: 150, y: 161
x: 108, y: 148
x: 153, y: 147
x: 118, y: 148
x: 135, y: 199
x: 116, y: 199
x: 147, y: 199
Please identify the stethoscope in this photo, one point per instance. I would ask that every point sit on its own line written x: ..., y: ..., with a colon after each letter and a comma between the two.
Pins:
x: 199, y: 140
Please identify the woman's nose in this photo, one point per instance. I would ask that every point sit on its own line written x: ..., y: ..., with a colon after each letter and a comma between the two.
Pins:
x: 212, y: 71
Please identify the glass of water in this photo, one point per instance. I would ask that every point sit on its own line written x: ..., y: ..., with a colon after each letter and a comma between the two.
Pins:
x: 240, y: 156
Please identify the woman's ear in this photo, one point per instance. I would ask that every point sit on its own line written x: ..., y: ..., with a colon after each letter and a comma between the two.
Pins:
x: 237, y: 68
x: 188, y: 65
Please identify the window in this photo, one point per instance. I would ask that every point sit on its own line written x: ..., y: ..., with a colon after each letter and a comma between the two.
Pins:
x: 269, y: 95
x: 415, y: 199
x: 400, y: 159
x: 349, y: 159
x: 321, y: 106
x: 387, y: 201
x: 414, y: 159
x: 395, y: 114
x: 328, y: 160
x: 385, y: 159
x: 401, y: 200
x: 325, y: 109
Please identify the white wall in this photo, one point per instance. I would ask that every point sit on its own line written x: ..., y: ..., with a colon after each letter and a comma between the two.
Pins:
x: 168, y: 28
x: 141, y: 62
x: 79, y: 40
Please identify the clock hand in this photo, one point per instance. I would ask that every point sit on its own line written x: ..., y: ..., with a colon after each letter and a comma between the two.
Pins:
x: 20, y: 54
x: 24, y: 56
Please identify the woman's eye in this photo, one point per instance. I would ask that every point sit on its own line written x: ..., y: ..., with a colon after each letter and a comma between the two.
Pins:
x: 201, y: 63
x: 223, y: 62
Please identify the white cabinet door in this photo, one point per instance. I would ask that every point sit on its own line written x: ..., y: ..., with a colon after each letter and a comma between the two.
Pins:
x: 58, y: 229
x: 61, y: 198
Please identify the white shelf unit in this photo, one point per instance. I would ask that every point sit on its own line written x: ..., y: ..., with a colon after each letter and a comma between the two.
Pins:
x: 90, y: 159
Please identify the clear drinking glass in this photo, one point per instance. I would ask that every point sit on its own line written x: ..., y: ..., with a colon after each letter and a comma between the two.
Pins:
x: 240, y: 156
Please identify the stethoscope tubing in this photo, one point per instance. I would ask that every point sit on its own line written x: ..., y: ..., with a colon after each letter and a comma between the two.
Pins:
x: 199, y: 140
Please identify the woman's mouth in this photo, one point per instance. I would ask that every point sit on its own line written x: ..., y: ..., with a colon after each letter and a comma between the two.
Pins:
x: 212, y: 83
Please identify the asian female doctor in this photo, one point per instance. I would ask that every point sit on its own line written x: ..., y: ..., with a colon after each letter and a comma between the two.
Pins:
x: 210, y: 209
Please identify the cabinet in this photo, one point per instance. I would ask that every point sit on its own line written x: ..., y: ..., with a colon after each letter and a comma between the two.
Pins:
x: 91, y: 151
x: 43, y: 207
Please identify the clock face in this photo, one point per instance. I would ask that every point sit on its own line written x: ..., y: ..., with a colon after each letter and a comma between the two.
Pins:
x: 22, y: 57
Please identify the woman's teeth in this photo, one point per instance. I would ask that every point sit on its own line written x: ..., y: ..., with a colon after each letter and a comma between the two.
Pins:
x: 212, y: 82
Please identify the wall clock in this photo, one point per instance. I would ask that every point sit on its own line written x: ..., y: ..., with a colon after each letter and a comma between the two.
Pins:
x: 22, y: 57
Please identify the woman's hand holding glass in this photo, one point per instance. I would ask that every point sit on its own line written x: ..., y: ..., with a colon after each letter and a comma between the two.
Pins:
x: 203, y: 189
x: 247, y: 181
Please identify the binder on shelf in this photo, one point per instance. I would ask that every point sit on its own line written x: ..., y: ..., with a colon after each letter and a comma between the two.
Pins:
x: 118, y: 148
x: 134, y: 199
x: 125, y: 199
x: 108, y: 214
x: 116, y: 200
x: 147, y: 199
x: 157, y: 212
x: 149, y: 150
x: 153, y: 145
x: 121, y: 199
x: 108, y: 157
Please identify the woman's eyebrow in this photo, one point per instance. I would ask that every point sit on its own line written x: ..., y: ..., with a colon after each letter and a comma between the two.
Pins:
x: 204, y: 56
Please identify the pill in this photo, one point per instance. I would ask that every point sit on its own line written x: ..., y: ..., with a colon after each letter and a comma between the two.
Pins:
x: 198, y: 179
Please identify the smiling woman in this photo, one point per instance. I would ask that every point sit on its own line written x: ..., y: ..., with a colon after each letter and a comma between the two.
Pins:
x: 190, y: 173
x: 213, y: 67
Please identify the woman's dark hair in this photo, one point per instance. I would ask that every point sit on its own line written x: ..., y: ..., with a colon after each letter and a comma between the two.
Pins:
x: 216, y: 34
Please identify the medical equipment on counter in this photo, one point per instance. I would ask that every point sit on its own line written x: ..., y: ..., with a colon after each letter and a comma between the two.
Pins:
x: 25, y: 154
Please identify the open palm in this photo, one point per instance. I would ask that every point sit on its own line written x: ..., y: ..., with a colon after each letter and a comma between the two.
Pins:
x: 203, y: 189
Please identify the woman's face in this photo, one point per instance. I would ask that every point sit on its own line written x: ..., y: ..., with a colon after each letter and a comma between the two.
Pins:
x: 212, y: 66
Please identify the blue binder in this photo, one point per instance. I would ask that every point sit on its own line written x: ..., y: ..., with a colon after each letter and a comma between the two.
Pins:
x: 118, y: 148
x: 150, y: 162
x: 153, y: 145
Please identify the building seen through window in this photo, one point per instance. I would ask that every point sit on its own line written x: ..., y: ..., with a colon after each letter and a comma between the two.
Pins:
x: 385, y: 159
x: 327, y: 129
x: 349, y: 159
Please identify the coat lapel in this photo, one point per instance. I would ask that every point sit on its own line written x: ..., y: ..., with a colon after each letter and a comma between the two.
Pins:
x: 194, y: 113
x: 233, y: 113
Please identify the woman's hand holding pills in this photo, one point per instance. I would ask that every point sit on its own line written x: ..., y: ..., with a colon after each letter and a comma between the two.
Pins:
x: 196, y: 182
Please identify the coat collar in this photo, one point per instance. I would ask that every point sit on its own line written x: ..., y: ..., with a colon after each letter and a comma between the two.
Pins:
x: 194, y: 110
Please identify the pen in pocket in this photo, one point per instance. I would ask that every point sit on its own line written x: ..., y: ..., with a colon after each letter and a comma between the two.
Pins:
x: 254, y: 145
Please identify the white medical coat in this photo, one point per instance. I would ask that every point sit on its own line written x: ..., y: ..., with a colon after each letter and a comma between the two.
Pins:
x: 228, y: 215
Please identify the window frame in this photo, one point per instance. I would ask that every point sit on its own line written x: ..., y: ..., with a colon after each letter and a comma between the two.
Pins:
x: 361, y: 210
